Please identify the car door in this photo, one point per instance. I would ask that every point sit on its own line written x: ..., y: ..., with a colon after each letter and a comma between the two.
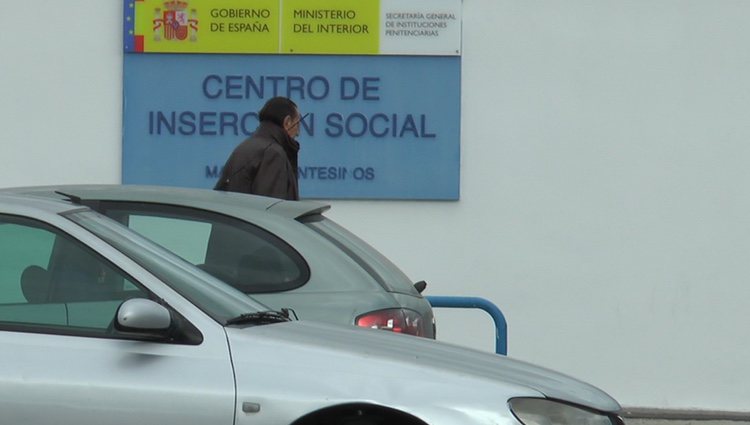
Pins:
x: 61, y: 360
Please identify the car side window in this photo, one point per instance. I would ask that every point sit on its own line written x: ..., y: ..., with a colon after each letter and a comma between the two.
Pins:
x: 51, y: 283
x: 186, y: 238
x: 247, y: 257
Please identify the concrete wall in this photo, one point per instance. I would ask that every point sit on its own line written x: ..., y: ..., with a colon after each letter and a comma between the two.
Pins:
x: 603, y: 201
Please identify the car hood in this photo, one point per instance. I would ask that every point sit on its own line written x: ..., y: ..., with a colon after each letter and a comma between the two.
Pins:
x: 344, y: 354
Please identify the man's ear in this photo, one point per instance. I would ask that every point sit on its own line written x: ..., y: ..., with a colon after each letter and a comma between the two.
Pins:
x: 287, y: 122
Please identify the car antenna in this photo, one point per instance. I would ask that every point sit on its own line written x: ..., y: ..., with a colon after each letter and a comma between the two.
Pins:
x: 72, y: 198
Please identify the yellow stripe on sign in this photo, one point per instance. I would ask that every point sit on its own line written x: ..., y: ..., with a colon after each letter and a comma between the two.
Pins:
x: 208, y: 26
x: 330, y: 27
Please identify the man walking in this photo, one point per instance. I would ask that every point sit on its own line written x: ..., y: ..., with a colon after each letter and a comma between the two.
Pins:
x: 266, y: 162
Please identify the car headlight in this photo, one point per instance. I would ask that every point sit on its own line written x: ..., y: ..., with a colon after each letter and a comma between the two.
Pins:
x: 542, y: 411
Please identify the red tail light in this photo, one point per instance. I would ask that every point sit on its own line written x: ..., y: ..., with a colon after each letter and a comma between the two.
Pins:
x: 395, y: 320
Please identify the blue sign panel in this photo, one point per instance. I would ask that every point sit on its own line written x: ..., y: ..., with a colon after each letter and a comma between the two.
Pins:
x: 378, y: 127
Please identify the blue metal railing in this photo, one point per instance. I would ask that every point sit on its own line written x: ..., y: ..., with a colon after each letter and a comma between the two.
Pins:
x: 501, y: 326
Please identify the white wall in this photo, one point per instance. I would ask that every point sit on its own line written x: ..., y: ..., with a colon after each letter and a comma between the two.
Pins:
x: 603, y: 201
x: 60, y: 91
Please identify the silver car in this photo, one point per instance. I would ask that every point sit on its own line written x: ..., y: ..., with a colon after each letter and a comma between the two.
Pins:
x: 100, y: 326
x: 286, y: 254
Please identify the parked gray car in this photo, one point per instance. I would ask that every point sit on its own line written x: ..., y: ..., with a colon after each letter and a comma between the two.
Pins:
x: 286, y: 254
x: 99, y: 325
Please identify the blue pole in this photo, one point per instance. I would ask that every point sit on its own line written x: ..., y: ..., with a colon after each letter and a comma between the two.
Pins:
x: 501, y: 326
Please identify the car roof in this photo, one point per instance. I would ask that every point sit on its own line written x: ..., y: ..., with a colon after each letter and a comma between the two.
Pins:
x: 197, y: 198
x: 13, y: 202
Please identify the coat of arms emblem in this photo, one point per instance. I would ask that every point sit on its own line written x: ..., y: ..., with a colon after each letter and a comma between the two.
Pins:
x: 175, y: 22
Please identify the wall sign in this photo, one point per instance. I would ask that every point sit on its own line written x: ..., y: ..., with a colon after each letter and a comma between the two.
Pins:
x: 379, y: 79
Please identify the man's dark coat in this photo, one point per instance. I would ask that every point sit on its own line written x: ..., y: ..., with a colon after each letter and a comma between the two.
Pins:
x: 264, y: 164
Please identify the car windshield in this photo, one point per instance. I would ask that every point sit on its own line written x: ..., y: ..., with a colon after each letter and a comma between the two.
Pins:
x: 376, y: 264
x: 212, y: 296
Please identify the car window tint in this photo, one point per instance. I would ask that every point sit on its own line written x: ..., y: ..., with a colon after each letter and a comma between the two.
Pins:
x: 21, y: 247
x: 51, y: 283
x: 186, y: 238
x: 247, y: 257
x: 215, y: 298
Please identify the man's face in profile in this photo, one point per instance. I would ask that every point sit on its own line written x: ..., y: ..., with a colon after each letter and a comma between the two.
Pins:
x: 291, y: 125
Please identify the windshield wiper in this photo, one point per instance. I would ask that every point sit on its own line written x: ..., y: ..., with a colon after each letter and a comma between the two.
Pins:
x: 259, y: 318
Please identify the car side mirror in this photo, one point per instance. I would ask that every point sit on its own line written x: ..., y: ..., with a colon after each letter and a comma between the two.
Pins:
x: 139, y: 315
x: 420, y: 286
